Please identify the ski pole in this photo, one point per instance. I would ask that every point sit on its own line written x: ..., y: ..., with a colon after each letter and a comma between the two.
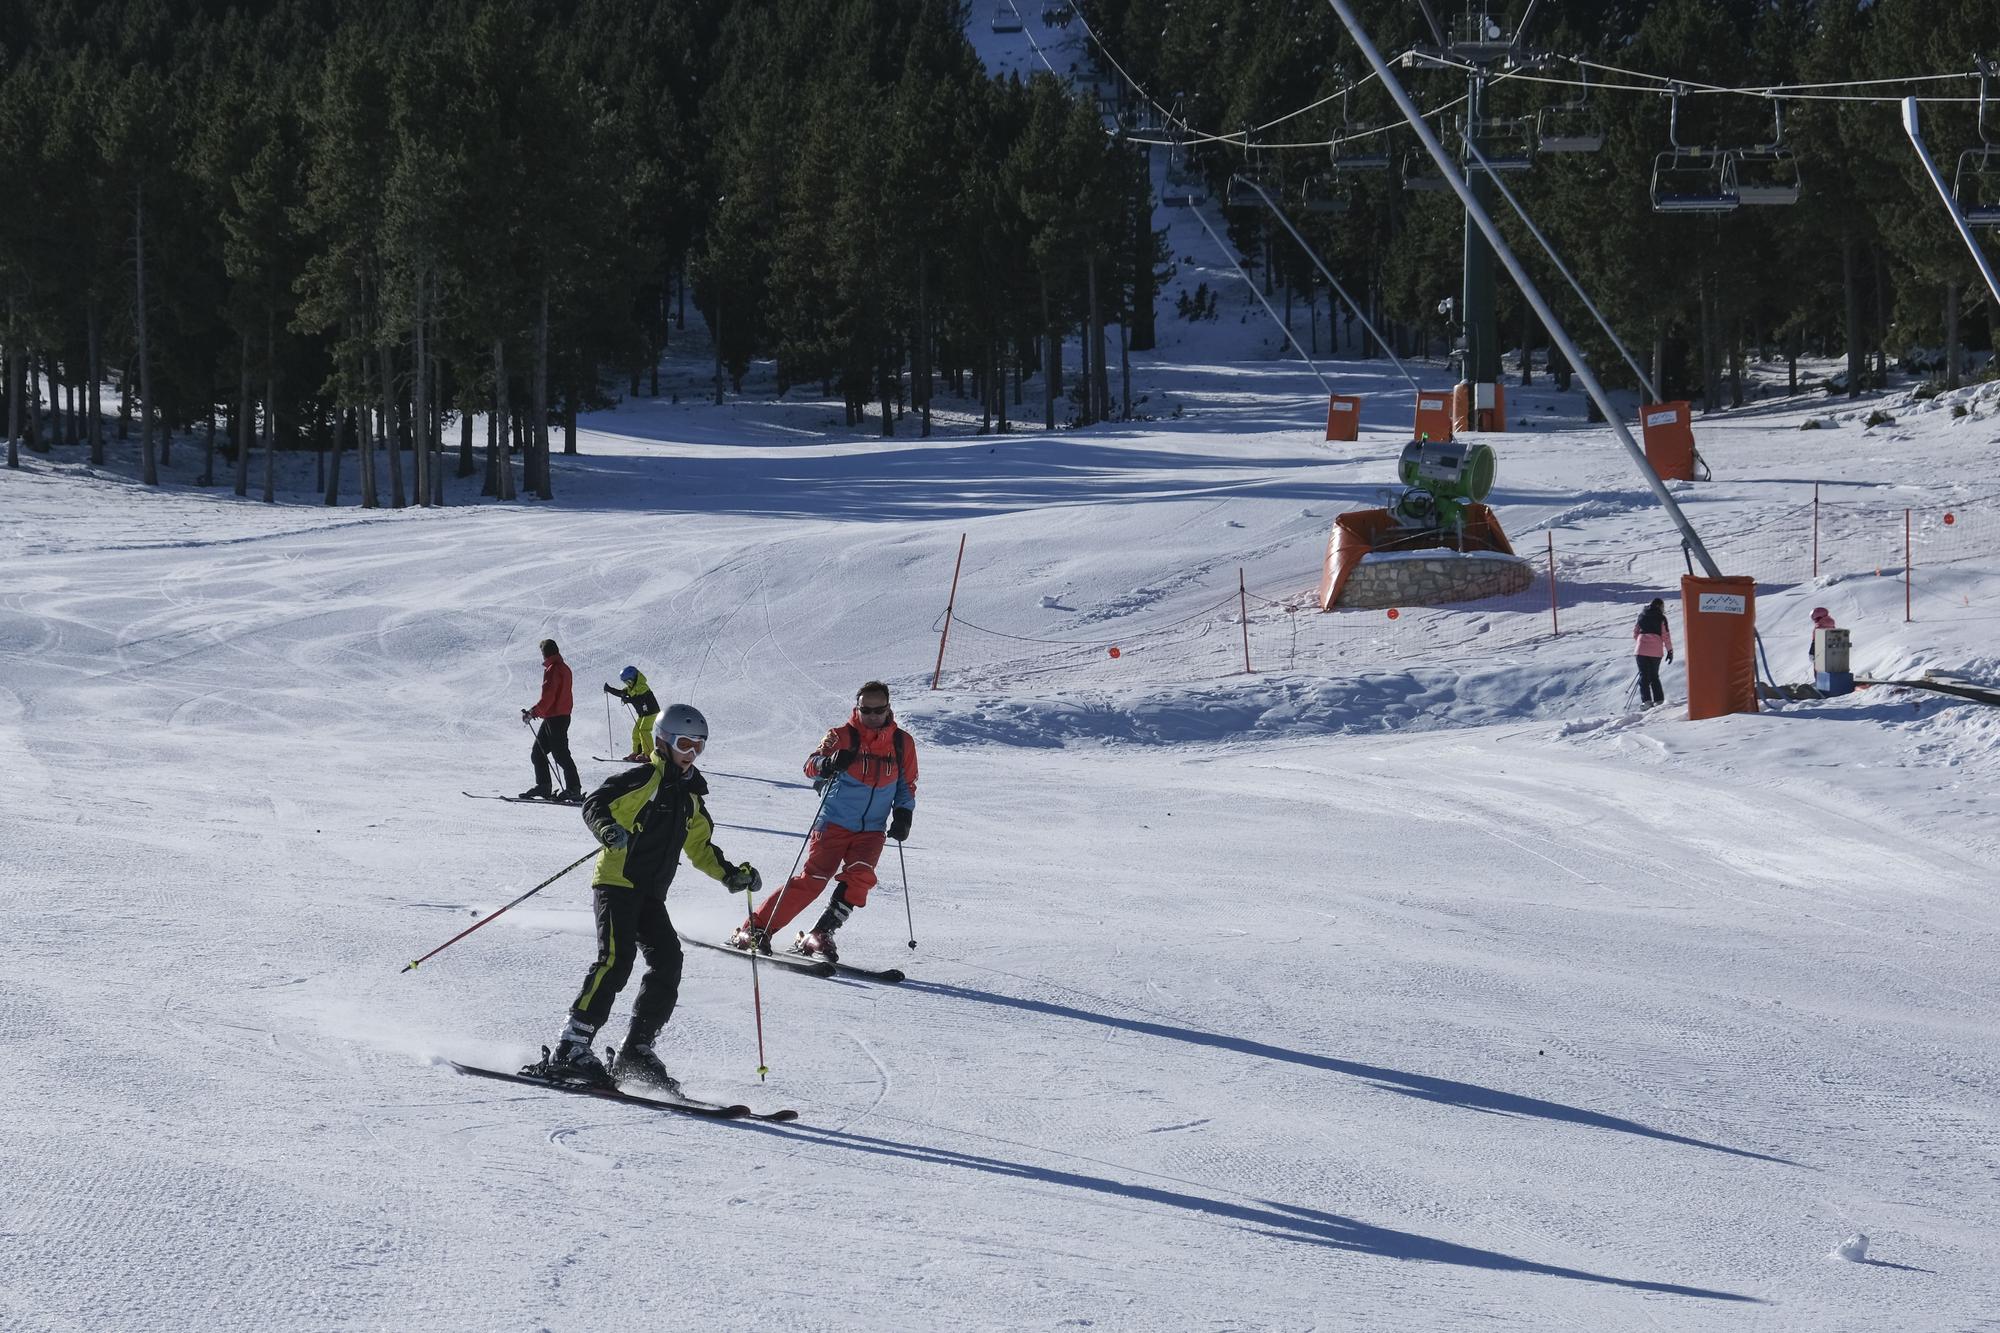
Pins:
x: 757, y: 996
x: 902, y: 866
x: 804, y: 843
x: 610, y: 741
x: 523, y: 898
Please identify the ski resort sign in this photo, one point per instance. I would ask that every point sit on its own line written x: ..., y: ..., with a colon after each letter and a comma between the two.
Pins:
x: 1721, y: 603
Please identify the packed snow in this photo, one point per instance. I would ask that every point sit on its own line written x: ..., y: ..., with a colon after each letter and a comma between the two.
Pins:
x: 1401, y: 982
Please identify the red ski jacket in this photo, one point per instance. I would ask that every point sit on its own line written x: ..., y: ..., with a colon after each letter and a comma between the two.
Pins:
x: 555, y: 700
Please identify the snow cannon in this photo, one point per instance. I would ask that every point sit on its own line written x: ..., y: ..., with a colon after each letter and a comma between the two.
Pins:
x: 1442, y: 477
x: 1434, y: 543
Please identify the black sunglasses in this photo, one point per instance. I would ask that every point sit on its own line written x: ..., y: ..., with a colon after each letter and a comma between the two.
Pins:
x: 864, y: 708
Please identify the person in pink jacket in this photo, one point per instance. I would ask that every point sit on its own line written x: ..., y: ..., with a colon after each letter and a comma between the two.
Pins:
x: 1650, y: 640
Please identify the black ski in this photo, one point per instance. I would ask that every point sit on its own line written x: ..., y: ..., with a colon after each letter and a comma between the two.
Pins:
x: 685, y: 1105
x: 817, y: 967
x: 601, y: 759
x: 521, y: 800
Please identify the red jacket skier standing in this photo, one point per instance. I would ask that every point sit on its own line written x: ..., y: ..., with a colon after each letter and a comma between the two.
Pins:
x: 867, y: 772
x: 552, y: 737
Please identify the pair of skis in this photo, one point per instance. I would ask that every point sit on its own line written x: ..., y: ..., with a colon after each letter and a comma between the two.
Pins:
x: 683, y: 1105
x: 816, y: 967
x: 522, y: 800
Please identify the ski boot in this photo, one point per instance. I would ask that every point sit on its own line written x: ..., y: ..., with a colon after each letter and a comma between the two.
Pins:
x: 573, y: 1062
x: 639, y: 1065
x: 818, y: 942
x: 534, y: 794
x: 570, y: 796
x: 750, y: 938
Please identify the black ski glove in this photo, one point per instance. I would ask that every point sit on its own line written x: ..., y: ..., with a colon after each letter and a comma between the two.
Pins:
x: 1670, y: 654
x: 742, y: 879
x: 836, y: 762
x: 615, y: 838
x: 613, y: 693
x: 899, y: 823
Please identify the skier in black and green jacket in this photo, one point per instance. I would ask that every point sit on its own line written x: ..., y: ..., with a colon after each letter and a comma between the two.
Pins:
x: 645, y: 818
x: 638, y: 695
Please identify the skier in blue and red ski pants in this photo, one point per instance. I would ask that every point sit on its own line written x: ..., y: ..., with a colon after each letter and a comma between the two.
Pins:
x: 867, y: 772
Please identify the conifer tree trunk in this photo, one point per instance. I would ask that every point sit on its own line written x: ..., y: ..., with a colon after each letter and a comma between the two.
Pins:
x: 364, y: 438
x: 151, y: 464
x: 243, y: 418
x: 1048, y: 362
x: 13, y: 390
x: 922, y: 370
x: 271, y: 420
x: 1951, y: 335
x: 503, y: 480
x: 538, y: 431
x: 1100, y: 376
x: 1851, y: 284
x: 385, y: 358
x: 125, y: 401
x: 421, y: 406
x: 93, y: 425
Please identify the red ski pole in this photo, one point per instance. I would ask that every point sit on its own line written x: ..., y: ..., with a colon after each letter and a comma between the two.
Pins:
x: 523, y: 898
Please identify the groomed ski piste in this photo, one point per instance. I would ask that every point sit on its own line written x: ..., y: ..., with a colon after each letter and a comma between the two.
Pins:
x: 1447, y: 993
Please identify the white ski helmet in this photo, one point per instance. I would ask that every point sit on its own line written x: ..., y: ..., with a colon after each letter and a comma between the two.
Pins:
x: 680, y: 720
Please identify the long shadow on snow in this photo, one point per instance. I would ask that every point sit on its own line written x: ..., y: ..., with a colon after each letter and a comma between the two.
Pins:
x: 1445, y: 1091
x: 1280, y: 1221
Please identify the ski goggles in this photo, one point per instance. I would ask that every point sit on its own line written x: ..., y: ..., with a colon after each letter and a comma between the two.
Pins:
x: 689, y: 744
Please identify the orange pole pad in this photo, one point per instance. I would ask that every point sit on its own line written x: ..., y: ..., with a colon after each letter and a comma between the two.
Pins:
x: 1719, y: 626
x: 1669, y: 435
x: 1343, y: 417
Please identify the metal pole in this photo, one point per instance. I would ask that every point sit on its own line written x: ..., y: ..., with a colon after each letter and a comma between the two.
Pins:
x: 1555, y: 625
x: 1243, y: 608
x: 1331, y: 281
x: 1645, y: 380
x: 1944, y: 192
x: 950, y: 602
x: 1533, y: 294
x: 1815, y: 529
x: 1261, y: 300
x: 1906, y: 566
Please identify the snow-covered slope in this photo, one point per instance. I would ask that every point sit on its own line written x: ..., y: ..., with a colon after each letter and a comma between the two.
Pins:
x: 1432, y: 993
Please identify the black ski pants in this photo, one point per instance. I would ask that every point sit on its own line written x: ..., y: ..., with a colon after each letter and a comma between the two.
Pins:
x: 629, y: 922
x: 1650, y: 689
x: 552, y: 742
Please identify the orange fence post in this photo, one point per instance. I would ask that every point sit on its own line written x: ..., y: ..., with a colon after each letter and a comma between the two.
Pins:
x: 1243, y: 606
x: 1906, y: 566
x: 1554, y: 625
x: 950, y: 602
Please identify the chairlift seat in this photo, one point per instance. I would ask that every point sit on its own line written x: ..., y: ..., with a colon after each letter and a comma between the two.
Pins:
x: 1006, y: 18
x: 1976, y: 186
x: 1568, y: 130
x: 1762, y: 176
x: 1693, y: 180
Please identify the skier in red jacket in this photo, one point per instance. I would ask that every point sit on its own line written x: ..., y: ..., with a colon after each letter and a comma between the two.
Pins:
x: 866, y: 769
x: 552, y: 736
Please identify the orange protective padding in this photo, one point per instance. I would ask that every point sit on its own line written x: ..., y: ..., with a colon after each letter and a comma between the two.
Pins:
x: 1669, y: 436
x: 1433, y: 416
x: 1468, y: 420
x: 1360, y: 531
x: 1719, y: 620
x: 1343, y: 417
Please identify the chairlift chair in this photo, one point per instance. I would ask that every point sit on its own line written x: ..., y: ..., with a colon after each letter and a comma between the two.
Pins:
x: 1764, y: 174
x: 1323, y: 194
x: 1507, y: 144
x: 1420, y: 174
x: 1688, y: 178
x: 1006, y: 18
x: 1570, y: 126
x: 1183, y: 187
x: 1360, y: 145
x: 1975, y: 186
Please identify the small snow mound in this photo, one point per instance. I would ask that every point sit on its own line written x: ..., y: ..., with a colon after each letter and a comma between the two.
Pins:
x: 1854, y: 1249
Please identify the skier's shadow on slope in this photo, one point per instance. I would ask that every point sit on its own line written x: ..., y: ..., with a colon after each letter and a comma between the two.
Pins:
x: 1281, y: 1221
x: 1445, y: 1091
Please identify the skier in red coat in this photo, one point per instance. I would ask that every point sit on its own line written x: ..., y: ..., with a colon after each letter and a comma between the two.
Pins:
x: 552, y: 736
x: 867, y: 772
